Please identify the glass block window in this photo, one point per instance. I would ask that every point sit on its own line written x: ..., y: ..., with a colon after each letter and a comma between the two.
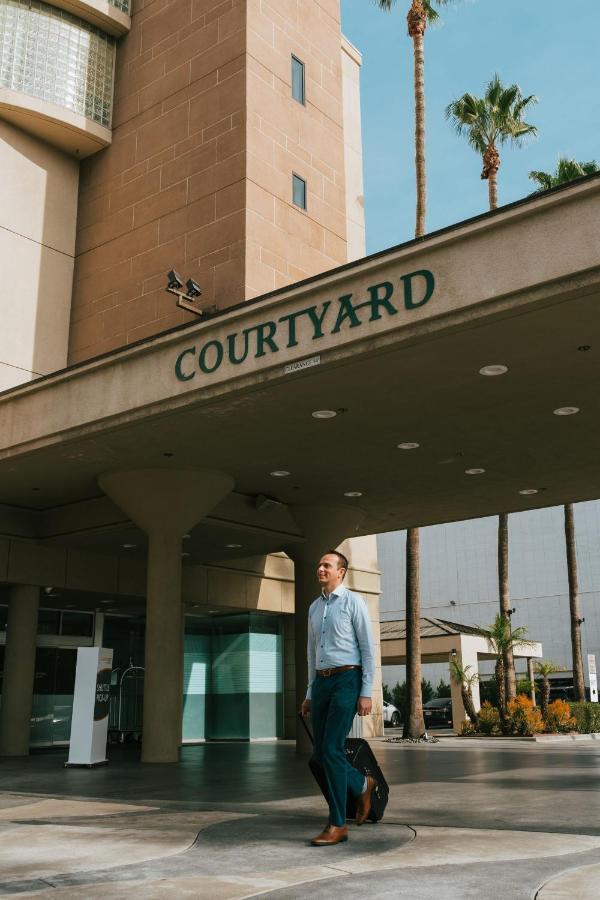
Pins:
x: 123, y: 5
x: 299, y: 191
x: 47, y: 53
x: 298, y: 89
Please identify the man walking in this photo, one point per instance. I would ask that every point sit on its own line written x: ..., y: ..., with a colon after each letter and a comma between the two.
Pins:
x: 340, y: 680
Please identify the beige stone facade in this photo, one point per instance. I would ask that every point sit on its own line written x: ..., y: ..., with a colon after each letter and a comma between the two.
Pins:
x: 206, y: 137
x: 37, y: 246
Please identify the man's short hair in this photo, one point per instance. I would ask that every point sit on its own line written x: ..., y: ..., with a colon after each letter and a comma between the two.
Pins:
x: 342, y: 561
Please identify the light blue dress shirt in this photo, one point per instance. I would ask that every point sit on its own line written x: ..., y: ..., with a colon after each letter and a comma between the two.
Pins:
x: 340, y: 634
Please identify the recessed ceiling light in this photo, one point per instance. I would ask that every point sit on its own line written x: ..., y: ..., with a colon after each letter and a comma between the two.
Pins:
x: 352, y: 493
x: 186, y: 537
x: 128, y: 546
x: 527, y: 491
x: 324, y: 414
x: 185, y: 553
x: 493, y: 370
x: 232, y: 546
x: 566, y: 410
x: 279, y: 473
x: 408, y: 445
x: 474, y: 471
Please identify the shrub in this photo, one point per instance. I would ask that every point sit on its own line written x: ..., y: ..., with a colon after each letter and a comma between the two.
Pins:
x: 489, y: 719
x: 524, y: 717
x: 467, y: 727
x: 587, y: 716
x: 559, y: 717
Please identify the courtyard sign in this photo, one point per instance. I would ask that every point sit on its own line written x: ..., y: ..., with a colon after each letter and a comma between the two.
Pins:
x: 330, y: 317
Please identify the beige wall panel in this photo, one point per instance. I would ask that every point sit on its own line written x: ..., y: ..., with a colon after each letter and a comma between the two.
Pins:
x: 31, y: 563
x: 263, y: 593
x: 132, y: 577
x: 194, y: 582
x: 287, y: 597
x: 39, y: 190
x: 226, y: 588
x: 4, y: 547
x: 353, y: 157
x: 91, y: 571
x: 35, y: 308
x: 37, y: 234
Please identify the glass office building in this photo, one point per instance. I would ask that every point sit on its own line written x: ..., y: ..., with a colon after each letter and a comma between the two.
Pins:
x: 459, y: 581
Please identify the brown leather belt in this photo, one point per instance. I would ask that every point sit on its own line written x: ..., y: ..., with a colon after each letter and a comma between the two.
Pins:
x: 326, y: 673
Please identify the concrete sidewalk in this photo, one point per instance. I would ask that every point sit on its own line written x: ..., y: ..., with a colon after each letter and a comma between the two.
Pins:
x: 234, y: 820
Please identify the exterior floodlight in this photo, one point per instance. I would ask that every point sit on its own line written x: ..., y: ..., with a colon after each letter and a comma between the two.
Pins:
x: 193, y: 288
x: 185, y: 299
x: 175, y: 280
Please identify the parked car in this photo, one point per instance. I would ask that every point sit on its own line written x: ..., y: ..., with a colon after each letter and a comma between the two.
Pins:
x: 391, y: 716
x: 438, y: 712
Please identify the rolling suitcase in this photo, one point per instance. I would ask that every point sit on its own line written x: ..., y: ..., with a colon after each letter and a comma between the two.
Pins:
x: 359, y: 755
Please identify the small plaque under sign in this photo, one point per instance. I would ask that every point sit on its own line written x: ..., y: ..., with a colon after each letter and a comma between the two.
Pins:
x: 303, y: 364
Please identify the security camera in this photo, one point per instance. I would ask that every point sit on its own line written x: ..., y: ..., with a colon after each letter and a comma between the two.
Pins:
x: 193, y: 288
x: 175, y: 280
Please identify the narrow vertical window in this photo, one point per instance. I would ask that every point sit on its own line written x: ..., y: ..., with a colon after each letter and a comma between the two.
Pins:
x: 299, y: 191
x: 298, y: 91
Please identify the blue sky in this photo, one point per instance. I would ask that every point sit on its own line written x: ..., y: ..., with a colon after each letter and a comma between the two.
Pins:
x: 542, y: 45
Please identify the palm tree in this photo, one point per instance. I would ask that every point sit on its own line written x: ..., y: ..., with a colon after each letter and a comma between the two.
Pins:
x: 510, y: 678
x: 500, y: 637
x: 414, y: 724
x: 420, y: 14
x: 466, y: 679
x: 574, y: 610
x: 544, y: 670
x: 566, y: 170
x: 490, y: 121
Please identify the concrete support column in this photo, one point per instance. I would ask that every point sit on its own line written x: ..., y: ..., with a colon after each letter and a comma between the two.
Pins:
x: 324, y: 529
x: 19, y: 668
x: 531, y: 678
x: 165, y: 503
x: 466, y: 655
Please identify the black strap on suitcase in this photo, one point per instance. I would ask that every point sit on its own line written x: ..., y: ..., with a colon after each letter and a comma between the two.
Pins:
x: 359, y: 755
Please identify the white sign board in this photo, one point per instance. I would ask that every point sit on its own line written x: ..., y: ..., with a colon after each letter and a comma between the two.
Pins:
x: 89, y: 725
x: 593, y: 678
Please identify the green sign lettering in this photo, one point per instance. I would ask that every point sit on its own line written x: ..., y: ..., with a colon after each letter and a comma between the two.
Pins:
x: 179, y: 373
x: 417, y: 289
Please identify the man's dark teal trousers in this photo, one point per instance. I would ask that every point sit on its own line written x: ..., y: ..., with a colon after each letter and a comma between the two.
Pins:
x: 332, y: 710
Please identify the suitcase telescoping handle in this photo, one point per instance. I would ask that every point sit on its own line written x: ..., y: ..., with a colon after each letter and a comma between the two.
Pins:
x: 306, y: 728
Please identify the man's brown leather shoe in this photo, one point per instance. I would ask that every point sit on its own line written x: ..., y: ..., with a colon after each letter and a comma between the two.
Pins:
x: 363, y: 804
x: 331, y: 834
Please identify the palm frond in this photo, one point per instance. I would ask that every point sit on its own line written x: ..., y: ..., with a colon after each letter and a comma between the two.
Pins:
x: 384, y: 4
x: 543, y: 179
x: 545, y: 668
x: 566, y: 170
x: 494, y: 118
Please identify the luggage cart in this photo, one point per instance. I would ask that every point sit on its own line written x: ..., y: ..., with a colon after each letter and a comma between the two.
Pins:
x: 126, y: 704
